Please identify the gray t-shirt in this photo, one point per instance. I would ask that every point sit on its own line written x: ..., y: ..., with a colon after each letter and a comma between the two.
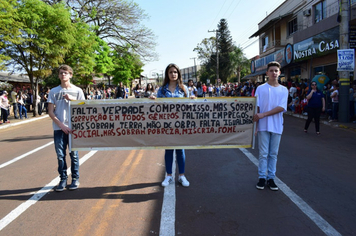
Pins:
x: 61, y: 105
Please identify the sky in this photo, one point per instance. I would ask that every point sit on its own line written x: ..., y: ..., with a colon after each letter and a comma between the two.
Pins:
x: 180, y: 25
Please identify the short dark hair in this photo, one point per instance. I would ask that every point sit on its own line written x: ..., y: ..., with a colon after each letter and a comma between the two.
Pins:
x: 273, y: 63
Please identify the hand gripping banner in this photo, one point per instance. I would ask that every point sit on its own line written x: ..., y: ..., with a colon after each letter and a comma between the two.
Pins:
x: 165, y: 123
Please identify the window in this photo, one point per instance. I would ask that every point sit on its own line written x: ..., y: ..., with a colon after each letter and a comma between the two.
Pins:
x: 319, y: 11
x: 265, y: 43
x: 292, y: 26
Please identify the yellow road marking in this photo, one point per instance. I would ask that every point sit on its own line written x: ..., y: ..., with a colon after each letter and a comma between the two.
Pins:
x: 103, y: 226
x: 86, y: 224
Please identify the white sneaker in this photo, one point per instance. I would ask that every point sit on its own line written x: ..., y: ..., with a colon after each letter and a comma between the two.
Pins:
x: 183, y: 180
x: 167, y: 181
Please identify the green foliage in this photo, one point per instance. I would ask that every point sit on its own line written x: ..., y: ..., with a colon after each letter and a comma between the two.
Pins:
x: 46, y: 35
x: 103, y: 57
x: 232, y: 62
x: 240, y: 65
x: 81, y: 55
x: 40, y: 37
x: 37, y: 36
x: 225, y: 46
x: 5, y: 86
x: 9, y: 28
x: 205, y: 49
x: 127, y: 67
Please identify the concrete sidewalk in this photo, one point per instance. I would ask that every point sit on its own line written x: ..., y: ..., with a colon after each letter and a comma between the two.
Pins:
x: 15, y: 122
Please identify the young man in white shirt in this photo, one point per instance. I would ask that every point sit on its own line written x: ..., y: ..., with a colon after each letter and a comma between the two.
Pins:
x: 272, y: 99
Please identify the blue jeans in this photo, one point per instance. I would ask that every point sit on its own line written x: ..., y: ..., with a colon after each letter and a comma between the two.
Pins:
x: 268, y: 150
x: 15, y: 107
x: 335, y: 114
x: 60, y: 144
x: 22, y: 109
x: 180, y: 156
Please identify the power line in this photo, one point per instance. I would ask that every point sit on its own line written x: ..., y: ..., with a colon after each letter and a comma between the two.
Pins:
x: 218, y: 14
x: 272, y: 8
x: 228, y: 8
x: 234, y: 9
x: 250, y: 44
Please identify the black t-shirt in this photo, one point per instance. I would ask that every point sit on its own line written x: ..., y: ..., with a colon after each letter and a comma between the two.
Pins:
x: 120, y: 92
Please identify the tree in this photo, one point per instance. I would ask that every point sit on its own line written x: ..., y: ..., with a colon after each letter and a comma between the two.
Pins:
x: 81, y: 56
x: 127, y: 66
x: 205, y: 49
x: 9, y: 28
x: 117, y: 22
x: 225, y: 46
x: 207, y: 56
x: 46, y: 36
x: 104, y: 60
x: 239, y: 63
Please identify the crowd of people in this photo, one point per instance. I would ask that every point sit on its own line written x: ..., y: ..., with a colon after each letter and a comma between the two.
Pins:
x: 301, y: 93
x: 21, y: 100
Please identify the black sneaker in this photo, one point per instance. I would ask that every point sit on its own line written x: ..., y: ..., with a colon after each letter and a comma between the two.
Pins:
x: 272, y: 185
x: 61, y: 186
x: 261, y: 184
x: 74, y: 185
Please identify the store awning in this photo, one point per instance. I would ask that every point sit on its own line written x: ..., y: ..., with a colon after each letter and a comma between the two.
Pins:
x: 254, y: 74
x: 269, y: 24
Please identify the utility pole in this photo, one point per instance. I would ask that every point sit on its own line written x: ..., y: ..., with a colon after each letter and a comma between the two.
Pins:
x: 217, y: 53
x: 195, y: 70
x: 344, y: 76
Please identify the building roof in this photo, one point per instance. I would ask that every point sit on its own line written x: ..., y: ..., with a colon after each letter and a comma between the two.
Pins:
x: 269, y: 24
x: 8, y: 77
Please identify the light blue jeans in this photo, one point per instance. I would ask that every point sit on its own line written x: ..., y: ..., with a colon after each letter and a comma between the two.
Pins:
x: 180, y: 156
x: 60, y: 143
x: 268, y: 150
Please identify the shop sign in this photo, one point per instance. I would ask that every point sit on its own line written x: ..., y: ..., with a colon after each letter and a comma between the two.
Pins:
x: 346, y: 60
x: 253, y: 68
x: 288, y: 53
x: 261, y: 64
x: 318, y: 45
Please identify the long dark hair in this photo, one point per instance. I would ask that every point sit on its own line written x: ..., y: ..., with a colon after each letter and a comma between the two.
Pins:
x: 152, y: 88
x: 179, y: 80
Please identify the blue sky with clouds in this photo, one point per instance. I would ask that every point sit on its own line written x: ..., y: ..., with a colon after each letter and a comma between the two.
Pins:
x: 180, y: 25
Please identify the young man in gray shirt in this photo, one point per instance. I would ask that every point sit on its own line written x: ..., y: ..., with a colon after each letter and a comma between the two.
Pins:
x: 58, y: 110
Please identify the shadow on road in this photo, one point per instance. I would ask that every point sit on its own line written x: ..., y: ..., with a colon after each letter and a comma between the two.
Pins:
x: 107, y: 192
x: 28, y: 138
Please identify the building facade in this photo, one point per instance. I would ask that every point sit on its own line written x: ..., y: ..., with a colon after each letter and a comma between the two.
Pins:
x: 190, y: 73
x: 304, y: 37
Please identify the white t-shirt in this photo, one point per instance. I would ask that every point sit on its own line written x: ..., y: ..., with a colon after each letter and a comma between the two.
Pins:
x: 61, y: 110
x: 268, y: 98
x: 292, y: 90
x: 336, y: 98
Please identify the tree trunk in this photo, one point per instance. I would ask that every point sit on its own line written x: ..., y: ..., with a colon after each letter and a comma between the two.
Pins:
x: 34, y: 97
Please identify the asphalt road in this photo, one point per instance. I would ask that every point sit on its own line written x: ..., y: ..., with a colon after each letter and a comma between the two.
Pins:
x: 120, y: 192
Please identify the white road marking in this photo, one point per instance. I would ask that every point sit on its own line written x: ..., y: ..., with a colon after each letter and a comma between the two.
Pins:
x: 37, y: 196
x: 300, y: 203
x: 25, y: 155
x: 168, y: 213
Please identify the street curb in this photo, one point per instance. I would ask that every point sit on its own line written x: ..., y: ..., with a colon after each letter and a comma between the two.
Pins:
x: 22, y: 122
x: 332, y: 124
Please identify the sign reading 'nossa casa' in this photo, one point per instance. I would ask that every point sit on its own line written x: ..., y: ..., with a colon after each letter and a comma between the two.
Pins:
x: 318, y: 45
